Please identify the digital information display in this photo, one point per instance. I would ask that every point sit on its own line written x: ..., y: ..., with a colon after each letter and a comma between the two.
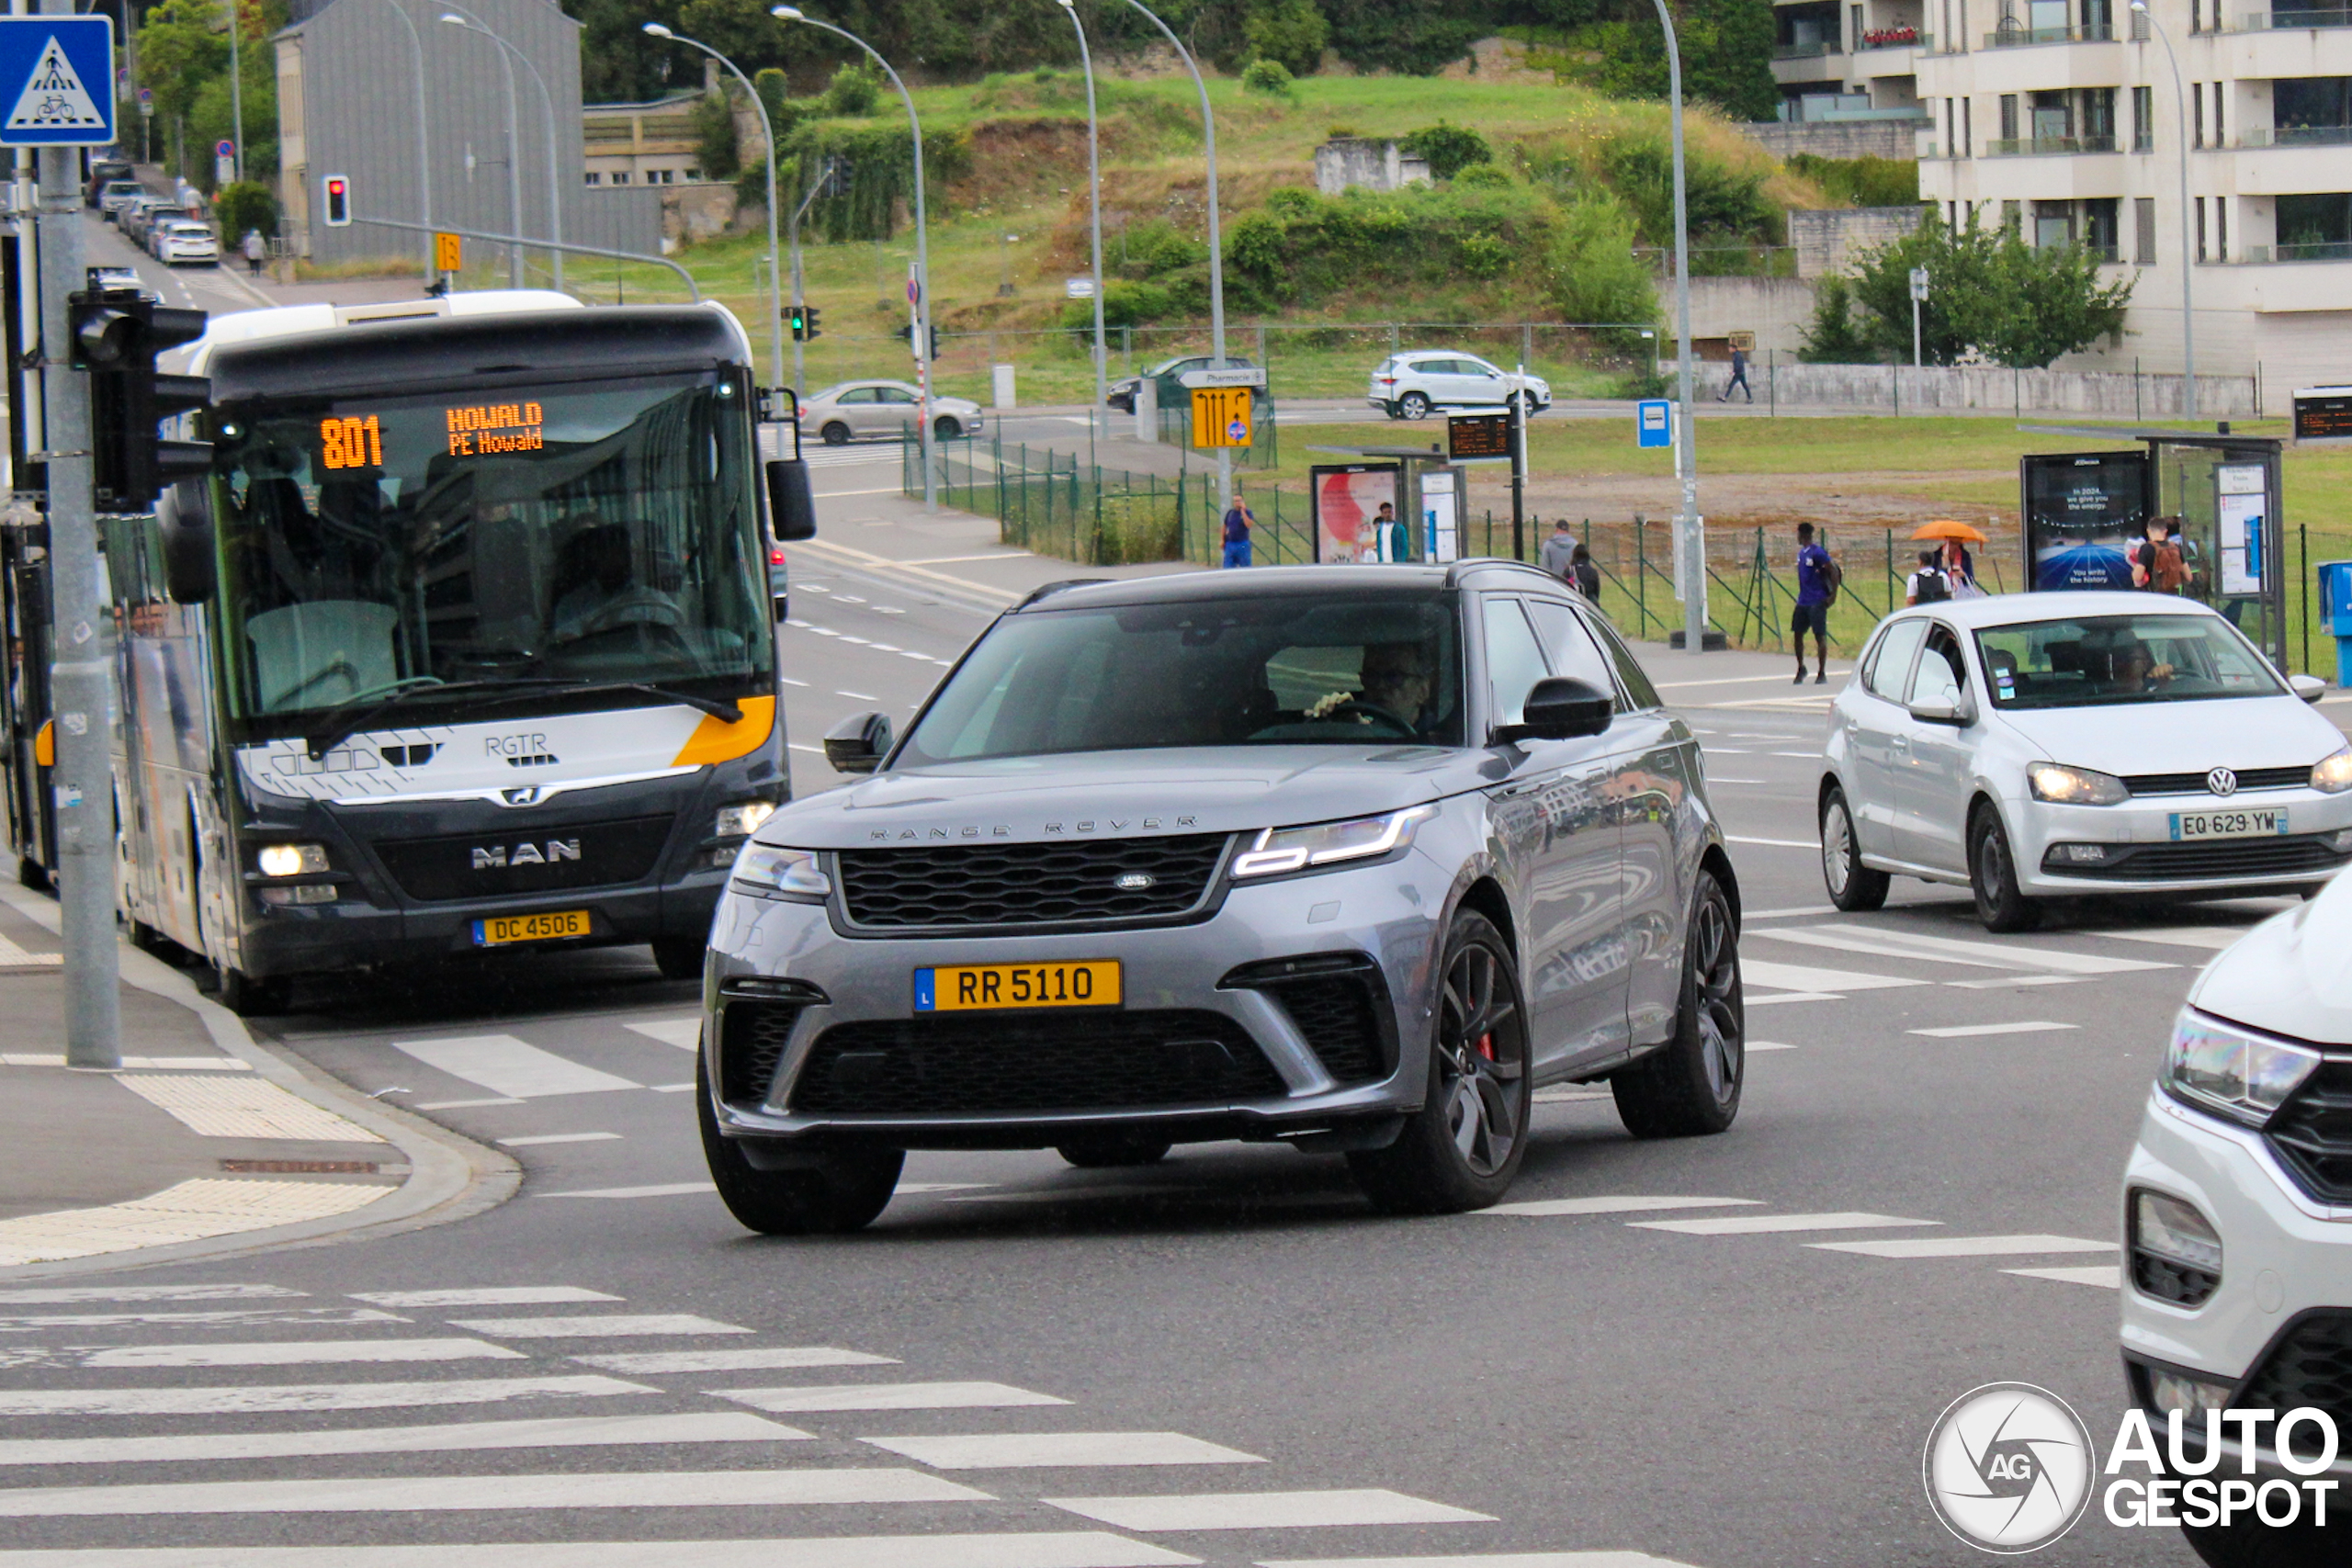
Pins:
x: 2083, y: 513
x: 351, y: 443
x: 2324, y: 413
x: 486, y: 430
x: 1470, y: 437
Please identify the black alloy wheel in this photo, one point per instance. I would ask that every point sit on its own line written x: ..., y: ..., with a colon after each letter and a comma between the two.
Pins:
x: 1854, y: 886
x: 1463, y: 1148
x: 1690, y: 1087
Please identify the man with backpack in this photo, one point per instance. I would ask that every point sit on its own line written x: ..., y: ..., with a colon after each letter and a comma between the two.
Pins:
x: 1818, y: 579
x: 2158, y: 564
x: 1928, y: 585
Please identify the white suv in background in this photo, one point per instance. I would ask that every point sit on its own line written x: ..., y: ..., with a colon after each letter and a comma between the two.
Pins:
x: 2237, y: 1219
x: 177, y: 240
x: 1408, y: 386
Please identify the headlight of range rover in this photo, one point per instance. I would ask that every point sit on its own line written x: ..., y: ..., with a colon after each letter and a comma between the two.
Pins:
x: 2075, y: 786
x: 780, y: 873
x: 2220, y: 1067
x: 1280, y: 850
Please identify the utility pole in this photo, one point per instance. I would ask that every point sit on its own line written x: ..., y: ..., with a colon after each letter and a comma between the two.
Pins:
x: 236, y: 99
x: 1918, y: 298
x: 1689, y: 528
x: 1518, y: 467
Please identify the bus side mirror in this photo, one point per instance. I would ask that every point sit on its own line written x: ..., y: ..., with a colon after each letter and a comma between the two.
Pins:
x: 184, y: 524
x: 792, y: 510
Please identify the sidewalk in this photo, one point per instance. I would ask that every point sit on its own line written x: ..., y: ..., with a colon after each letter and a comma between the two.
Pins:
x: 202, y: 1143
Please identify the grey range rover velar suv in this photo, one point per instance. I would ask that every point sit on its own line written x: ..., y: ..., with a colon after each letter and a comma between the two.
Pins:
x: 1352, y: 858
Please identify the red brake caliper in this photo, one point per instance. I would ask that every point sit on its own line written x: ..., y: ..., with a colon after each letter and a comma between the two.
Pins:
x: 1486, y: 1046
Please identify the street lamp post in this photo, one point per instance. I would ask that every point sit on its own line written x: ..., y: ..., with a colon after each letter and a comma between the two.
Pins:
x: 546, y: 102
x: 1216, y: 244
x: 1918, y: 298
x: 2188, y: 313
x: 236, y: 101
x: 1095, y: 210
x: 1691, y: 533
x: 767, y: 134
x: 920, y: 322
x: 424, y: 140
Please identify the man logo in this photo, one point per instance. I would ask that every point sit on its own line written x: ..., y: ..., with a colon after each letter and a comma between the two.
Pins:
x: 499, y: 857
x: 2008, y: 1468
x: 2221, y: 781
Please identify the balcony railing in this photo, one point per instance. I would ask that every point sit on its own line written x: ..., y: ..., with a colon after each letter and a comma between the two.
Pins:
x: 2272, y: 21
x: 2019, y: 38
x: 1897, y: 37
x: 2318, y: 251
x: 1804, y: 50
x: 2032, y: 146
x: 2299, y: 136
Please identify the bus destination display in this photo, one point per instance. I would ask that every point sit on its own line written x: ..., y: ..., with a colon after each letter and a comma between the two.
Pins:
x: 2324, y: 413
x: 487, y: 429
x: 351, y: 443
x: 1474, y: 435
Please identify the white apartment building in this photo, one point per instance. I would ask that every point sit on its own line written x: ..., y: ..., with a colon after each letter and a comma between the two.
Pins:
x: 2059, y: 116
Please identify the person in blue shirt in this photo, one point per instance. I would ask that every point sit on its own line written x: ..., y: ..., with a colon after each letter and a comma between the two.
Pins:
x: 1815, y: 573
x: 1237, y: 532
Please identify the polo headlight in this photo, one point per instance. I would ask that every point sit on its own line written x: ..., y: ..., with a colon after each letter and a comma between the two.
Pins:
x: 1277, y: 850
x: 742, y: 821
x: 781, y: 873
x: 2332, y: 774
x: 2063, y: 786
x: 2220, y: 1067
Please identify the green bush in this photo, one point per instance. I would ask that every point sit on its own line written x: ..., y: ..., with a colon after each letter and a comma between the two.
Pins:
x: 1832, y: 338
x: 1301, y: 246
x: 714, y: 147
x: 878, y: 159
x: 1124, y: 304
x: 243, y: 207
x: 1722, y: 202
x: 1483, y: 176
x: 1861, y: 182
x: 1270, y: 78
x: 853, y: 90
x: 1594, y: 275
x: 1290, y: 33
x: 1155, y: 246
x: 1450, y: 149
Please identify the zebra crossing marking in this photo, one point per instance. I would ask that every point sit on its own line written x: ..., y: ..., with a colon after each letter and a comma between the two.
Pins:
x: 230, y: 1317
x: 770, y: 1358
x: 266, y: 1353
x: 506, y: 1066
x: 1975, y: 1030
x: 1965, y: 1245
x: 685, y: 1033
x: 257, y: 1398
x: 1266, y: 1510
x: 1545, y: 1208
x: 805, y: 1401
x: 1770, y: 1224
x: 1053, y: 1549
x: 488, y: 1295
x: 551, y: 1432
x: 2102, y: 1276
x: 597, y: 1327
x: 503, y: 1494
x: 1060, y: 1450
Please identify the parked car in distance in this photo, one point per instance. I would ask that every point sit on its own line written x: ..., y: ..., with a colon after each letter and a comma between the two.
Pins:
x: 104, y: 171
x: 184, y: 240
x: 2237, y: 1289
x: 120, y: 277
x: 1409, y: 386
x: 849, y: 410
x: 2037, y: 745
x: 140, y: 216
x: 1169, y: 373
x: 117, y: 194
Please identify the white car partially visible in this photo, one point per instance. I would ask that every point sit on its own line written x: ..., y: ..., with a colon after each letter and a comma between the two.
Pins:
x: 2040, y: 745
x: 186, y: 241
x: 1409, y: 386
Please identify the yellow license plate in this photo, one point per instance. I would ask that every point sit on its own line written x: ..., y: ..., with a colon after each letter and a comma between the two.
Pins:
x: 972, y: 988
x: 499, y: 930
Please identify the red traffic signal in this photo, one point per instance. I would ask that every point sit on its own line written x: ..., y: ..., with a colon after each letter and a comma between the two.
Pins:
x: 338, y: 201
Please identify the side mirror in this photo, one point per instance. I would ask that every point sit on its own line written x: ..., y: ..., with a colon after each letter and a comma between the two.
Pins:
x: 791, y: 507
x: 184, y: 525
x: 1958, y: 712
x: 2308, y: 687
x: 858, y: 744
x: 1560, y: 708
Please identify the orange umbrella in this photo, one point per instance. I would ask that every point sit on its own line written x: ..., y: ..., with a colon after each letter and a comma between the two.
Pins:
x: 1945, y: 528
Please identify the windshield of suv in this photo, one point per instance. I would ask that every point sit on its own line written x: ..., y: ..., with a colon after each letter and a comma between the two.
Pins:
x: 583, y: 532
x: 1369, y: 668
x: 2100, y: 660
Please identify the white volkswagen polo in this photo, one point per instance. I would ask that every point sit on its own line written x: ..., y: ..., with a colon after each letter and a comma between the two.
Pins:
x: 2043, y: 745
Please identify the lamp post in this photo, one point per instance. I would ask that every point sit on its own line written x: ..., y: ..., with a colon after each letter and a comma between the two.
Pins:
x: 1918, y: 298
x: 546, y: 102
x: 236, y: 101
x: 424, y: 140
x: 767, y: 134
x: 2187, y: 314
x: 1691, y: 533
x: 1094, y: 210
x: 920, y: 321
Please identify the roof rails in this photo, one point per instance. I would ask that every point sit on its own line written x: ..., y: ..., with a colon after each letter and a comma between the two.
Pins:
x: 1050, y: 588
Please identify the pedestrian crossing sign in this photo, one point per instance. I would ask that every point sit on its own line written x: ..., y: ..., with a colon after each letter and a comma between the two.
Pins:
x: 57, y: 74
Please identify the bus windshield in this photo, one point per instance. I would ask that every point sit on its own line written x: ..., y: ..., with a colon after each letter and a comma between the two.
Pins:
x: 587, y: 533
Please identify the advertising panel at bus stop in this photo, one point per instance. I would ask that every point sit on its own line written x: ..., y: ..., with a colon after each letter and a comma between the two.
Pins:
x: 1344, y: 499
x: 2083, y: 511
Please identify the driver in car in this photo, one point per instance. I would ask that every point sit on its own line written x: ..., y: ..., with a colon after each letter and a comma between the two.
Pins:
x: 2135, y: 669
x: 597, y: 590
x: 1395, y: 684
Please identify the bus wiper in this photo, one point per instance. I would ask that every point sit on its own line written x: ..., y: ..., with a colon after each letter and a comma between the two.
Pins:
x: 339, y: 724
x: 717, y: 707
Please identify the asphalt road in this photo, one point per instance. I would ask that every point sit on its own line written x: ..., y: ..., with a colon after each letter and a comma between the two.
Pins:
x: 1696, y: 1368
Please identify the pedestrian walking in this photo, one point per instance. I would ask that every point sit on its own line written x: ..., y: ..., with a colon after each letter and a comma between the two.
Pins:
x: 1587, y: 579
x: 1818, y: 579
x: 2158, y: 564
x: 1738, y: 377
x: 1959, y: 568
x: 1237, y: 520
x: 257, y: 250
x: 1559, y: 553
x: 1928, y: 585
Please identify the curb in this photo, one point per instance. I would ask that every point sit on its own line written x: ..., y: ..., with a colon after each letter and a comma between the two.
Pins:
x: 450, y: 1178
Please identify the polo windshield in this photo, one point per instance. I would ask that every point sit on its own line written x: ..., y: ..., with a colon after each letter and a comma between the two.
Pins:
x: 527, y: 539
x: 2103, y: 660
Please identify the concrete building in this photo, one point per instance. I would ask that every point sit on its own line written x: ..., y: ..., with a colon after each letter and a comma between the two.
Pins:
x: 1347, y: 162
x: 347, y: 72
x: 1840, y: 62
x: 2059, y: 116
x: 644, y: 144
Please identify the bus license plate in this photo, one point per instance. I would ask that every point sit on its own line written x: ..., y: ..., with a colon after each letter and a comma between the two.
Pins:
x: 499, y: 930
x: 2263, y: 824
x: 971, y: 987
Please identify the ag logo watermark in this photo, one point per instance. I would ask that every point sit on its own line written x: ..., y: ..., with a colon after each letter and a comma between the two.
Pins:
x: 2009, y: 1467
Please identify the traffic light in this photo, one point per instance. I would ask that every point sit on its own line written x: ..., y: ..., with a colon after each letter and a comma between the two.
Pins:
x: 338, y: 202
x: 809, y: 328
x: 906, y: 334
x: 118, y: 333
x: 797, y: 318
x: 836, y: 181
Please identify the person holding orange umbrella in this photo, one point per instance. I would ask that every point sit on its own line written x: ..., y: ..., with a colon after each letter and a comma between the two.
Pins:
x: 1959, y: 566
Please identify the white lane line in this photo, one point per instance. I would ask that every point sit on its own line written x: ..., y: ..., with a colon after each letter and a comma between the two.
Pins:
x: 537, y: 1138
x: 685, y: 1033
x: 1795, y: 997
x: 1973, y: 1030
x: 464, y: 1104
x: 644, y: 1362
x: 187, y: 1210
x: 1057, y: 1548
x: 248, y: 1399
x: 1797, y: 978
x: 240, y: 1317
x: 642, y: 1489
x: 2101, y: 1276
x: 1563, y: 1095
x: 858, y: 696
x: 1965, y: 1245
x: 219, y: 1107
x: 596, y: 1327
x: 1812, y: 844
x: 1767, y: 1046
x: 658, y: 1190
x: 670, y: 1087
x: 1486, y: 1559
x: 905, y: 1187
x: 1060, y: 1450
x: 1809, y: 756
x: 886, y: 1396
x: 1771, y: 1225
x: 1789, y: 914
x: 2211, y: 938
x: 1544, y: 1208
x: 289, y: 1353
x: 562, y: 1432
x: 1720, y: 779
x: 487, y: 1295
x: 1725, y: 681
x: 789, y: 681
x: 504, y: 1065
x: 147, y: 1064
x: 61, y: 1294
x: 1266, y: 1510
x: 2006, y: 981
x: 1896, y: 944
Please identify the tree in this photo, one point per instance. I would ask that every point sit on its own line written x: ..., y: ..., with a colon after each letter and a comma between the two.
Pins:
x: 1988, y: 291
x: 1594, y: 275
x: 1290, y: 33
x: 1727, y: 46
x: 1832, y: 338
x: 1450, y: 149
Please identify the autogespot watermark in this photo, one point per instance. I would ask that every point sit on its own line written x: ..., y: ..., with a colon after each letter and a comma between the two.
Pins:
x: 2009, y: 1468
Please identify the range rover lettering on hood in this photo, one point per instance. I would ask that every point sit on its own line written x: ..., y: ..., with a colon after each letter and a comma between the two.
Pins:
x: 1004, y: 831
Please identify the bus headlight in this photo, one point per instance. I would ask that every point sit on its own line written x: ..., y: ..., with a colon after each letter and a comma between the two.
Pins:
x: 742, y: 821
x: 291, y: 860
x: 780, y: 873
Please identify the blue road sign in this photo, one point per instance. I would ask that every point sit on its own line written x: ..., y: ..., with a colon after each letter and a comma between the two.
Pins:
x: 1653, y: 421
x: 56, y: 81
